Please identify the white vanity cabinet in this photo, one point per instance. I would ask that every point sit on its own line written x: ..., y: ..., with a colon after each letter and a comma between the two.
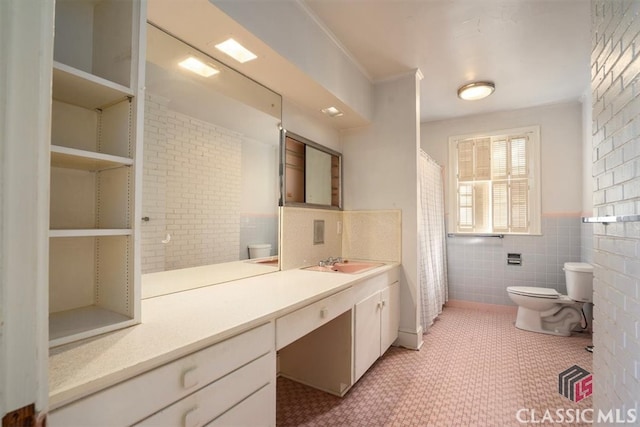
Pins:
x: 376, y: 319
x: 315, y: 344
x: 94, y: 192
x: 194, y: 390
x: 332, y: 355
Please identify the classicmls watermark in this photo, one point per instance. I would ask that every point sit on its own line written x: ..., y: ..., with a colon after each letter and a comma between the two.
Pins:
x: 572, y: 416
x: 576, y: 384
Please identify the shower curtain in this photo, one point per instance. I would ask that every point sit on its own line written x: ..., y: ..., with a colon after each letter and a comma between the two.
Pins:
x: 432, y: 241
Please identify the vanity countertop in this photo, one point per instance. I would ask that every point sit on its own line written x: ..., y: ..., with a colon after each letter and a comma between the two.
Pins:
x: 178, y: 324
x: 183, y: 279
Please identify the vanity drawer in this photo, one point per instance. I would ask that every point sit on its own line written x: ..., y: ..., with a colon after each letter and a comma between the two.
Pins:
x: 213, y: 400
x: 133, y: 400
x: 251, y: 411
x: 299, y: 323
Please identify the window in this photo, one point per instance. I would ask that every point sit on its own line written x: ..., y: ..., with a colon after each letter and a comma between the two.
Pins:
x: 495, y: 182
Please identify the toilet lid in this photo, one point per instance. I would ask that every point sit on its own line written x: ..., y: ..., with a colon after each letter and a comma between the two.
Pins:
x: 532, y: 291
x: 579, y: 266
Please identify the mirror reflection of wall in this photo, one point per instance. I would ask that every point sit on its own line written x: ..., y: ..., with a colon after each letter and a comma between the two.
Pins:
x: 210, y: 178
x: 311, y: 174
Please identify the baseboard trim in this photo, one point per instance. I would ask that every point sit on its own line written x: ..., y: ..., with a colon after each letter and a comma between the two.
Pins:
x: 409, y: 339
x: 472, y: 305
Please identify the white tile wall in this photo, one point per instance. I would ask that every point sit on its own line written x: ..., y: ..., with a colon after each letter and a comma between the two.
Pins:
x: 191, y: 190
x: 478, y: 270
x: 615, y: 66
x: 586, y: 242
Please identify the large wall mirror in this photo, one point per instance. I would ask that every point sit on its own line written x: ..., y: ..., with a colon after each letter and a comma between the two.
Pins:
x: 311, y: 173
x: 210, y: 175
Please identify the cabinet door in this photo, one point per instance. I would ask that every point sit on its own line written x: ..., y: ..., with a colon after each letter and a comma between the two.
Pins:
x: 390, y: 320
x: 367, y: 333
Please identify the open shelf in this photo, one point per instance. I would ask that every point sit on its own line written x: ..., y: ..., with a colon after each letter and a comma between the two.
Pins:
x: 96, y: 117
x: 86, y: 90
x: 91, y: 284
x: 71, y: 325
x: 72, y: 158
x: 90, y: 232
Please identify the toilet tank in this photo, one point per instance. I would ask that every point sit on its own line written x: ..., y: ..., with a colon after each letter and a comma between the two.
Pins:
x: 579, y: 277
x: 259, y: 250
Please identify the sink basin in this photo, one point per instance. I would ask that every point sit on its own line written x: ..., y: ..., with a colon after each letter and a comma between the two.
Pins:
x: 356, y: 267
x: 351, y: 267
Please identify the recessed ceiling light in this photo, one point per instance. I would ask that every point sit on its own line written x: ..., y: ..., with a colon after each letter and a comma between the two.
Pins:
x: 476, y: 90
x: 332, y: 112
x: 236, y: 51
x: 195, y: 65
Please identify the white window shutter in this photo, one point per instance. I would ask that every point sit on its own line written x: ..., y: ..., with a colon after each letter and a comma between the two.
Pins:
x: 499, y: 164
x: 497, y: 179
x: 518, y: 158
x: 519, y: 208
x: 465, y: 207
x: 482, y: 157
x: 500, y: 206
x: 465, y: 160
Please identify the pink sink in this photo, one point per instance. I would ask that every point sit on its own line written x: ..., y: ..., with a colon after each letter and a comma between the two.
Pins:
x: 356, y: 267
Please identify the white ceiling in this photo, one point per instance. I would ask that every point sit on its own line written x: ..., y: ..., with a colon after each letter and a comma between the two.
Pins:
x: 536, y: 51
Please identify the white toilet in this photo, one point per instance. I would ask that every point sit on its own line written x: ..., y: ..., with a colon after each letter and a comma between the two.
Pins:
x: 259, y: 250
x: 546, y: 311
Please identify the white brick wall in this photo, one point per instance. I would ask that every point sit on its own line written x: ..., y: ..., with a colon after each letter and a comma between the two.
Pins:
x: 615, y: 67
x: 191, y: 190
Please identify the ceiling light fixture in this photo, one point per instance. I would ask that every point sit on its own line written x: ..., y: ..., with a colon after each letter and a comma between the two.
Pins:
x: 196, y: 66
x: 332, y: 112
x: 236, y: 51
x: 476, y: 90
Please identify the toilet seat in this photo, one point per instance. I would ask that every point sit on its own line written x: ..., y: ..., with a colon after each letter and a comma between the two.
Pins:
x: 532, y: 291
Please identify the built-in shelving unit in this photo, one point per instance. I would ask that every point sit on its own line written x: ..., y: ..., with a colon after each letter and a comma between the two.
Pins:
x: 72, y: 158
x: 335, y: 181
x: 96, y: 116
x: 83, y: 89
x: 91, y: 232
x: 294, y: 170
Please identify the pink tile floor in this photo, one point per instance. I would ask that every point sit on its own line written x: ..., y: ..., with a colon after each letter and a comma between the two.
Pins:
x: 474, y: 369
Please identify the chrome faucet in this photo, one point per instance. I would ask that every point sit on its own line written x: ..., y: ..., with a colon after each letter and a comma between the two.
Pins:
x: 329, y: 261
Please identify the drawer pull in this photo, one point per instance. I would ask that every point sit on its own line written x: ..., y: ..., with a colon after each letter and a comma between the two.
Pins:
x: 191, y: 418
x: 190, y: 378
x: 324, y: 313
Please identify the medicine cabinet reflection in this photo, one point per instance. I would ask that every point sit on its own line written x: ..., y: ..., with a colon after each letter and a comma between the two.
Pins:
x: 311, y: 173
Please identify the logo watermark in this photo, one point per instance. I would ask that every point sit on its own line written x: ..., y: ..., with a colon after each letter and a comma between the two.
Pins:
x: 571, y: 416
x: 575, y: 383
